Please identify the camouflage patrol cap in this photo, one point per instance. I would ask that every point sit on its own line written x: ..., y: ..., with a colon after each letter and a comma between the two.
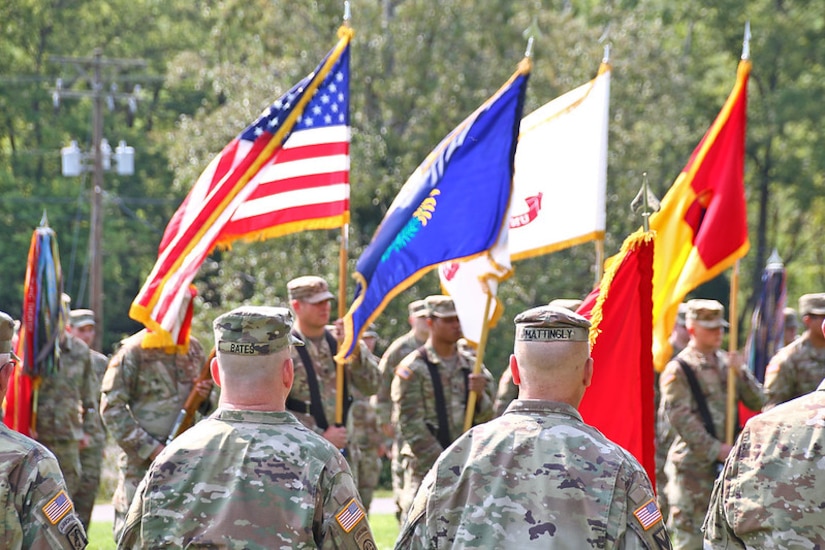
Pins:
x: 370, y: 332
x: 418, y: 308
x: 566, y: 303
x: 251, y: 330
x: 6, y: 334
x: 551, y: 324
x: 706, y: 313
x: 812, y: 304
x: 81, y: 318
x: 440, y: 306
x: 681, y: 314
x: 790, y: 320
x: 310, y: 289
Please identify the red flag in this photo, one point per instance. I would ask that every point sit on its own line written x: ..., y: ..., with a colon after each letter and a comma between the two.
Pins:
x: 619, y: 401
x: 288, y: 171
x: 702, y: 227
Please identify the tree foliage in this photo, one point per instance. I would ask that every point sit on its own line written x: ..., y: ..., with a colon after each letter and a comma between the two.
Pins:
x: 418, y: 69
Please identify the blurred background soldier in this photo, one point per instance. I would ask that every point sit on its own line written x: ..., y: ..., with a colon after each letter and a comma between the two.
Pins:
x: 697, y: 418
x: 791, y: 325
x: 799, y: 367
x: 429, y: 394
x: 771, y: 492
x: 398, y: 350
x: 37, y: 511
x: 538, y: 476
x: 507, y: 389
x: 251, y: 475
x: 142, y: 393
x: 63, y: 401
x: 679, y: 339
x: 82, y: 326
x: 313, y: 395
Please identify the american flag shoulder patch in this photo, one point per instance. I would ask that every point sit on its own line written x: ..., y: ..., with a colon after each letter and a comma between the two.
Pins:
x: 350, y: 515
x: 648, y: 514
x: 57, y: 507
x: 404, y: 372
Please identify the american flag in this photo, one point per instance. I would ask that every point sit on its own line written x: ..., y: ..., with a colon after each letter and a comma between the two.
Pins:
x: 57, y: 507
x: 288, y: 171
x: 350, y: 516
x: 648, y: 514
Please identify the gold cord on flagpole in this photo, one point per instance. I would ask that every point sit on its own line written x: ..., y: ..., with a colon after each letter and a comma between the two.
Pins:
x: 340, y: 363
x: 733, y: 374
x: 472, y: 396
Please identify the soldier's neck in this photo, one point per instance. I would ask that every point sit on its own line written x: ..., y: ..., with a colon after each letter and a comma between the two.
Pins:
x: 444, y: 349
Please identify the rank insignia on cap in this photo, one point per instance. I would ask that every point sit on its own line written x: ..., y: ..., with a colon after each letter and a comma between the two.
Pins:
x: 648, y: 514
x: 350, y: 515
x: 57, y: 507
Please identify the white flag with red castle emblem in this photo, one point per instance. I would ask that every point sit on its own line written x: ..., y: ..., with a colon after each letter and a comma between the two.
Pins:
x: 469, y: 282
x: 561, y: 172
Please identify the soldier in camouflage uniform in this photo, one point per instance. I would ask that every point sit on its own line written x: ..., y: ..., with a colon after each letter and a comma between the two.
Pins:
x: 790, y: 325
x: 311, y: 301
x: 142, y: 393
x: 251, y: 475
x: 398, y: 350
x: 772, y: 491
x: 696, y: 451
x: 538, y: 476
x: 507, y: 389
x: 799, y: 367
x: 64, y: 398
x: 82, y: 326
x: 422, y: 434
x: 37, y: 511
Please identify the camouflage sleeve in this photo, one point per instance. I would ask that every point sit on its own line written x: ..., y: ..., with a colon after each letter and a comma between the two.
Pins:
x: 364, y: 371
x: 412, y: 399
x: 414, y: 532
x: 484, y: 405
x: 750, y: 390
x: 677, y: 401
x: 717, y: 531
x: 91, y: 398
x: 130, y: 536
x: 116, y: 389
x: 47, y: 514
x: 386, y: 370
x: 343, y: 521
x: 779, y: 381
x: 645, y: 524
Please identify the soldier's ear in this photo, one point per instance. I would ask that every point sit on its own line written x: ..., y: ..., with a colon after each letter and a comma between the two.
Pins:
x: 288, y: 371
x: 514, y: 370
x: 213, y: 368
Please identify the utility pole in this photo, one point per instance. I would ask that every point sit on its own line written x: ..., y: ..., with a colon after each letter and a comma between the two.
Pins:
x: 100, y: 155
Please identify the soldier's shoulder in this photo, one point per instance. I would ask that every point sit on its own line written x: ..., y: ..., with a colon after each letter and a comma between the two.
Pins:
x: 411, y: 365
x: 17, y: 447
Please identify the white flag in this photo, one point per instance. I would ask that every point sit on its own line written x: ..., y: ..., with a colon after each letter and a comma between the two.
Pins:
x: 469, y: 283
x: 561, y: 172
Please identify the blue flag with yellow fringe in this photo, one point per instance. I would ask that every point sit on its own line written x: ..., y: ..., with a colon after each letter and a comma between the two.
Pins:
x: 452, y: 207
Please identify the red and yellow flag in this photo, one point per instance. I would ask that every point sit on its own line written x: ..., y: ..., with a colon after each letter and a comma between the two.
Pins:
x: 701, y: 229
x: 620, y: 310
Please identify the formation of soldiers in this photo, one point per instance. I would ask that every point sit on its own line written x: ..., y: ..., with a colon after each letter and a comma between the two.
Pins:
x: 272, y: 465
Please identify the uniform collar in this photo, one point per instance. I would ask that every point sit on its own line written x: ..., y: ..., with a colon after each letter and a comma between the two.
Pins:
x: 521, y: 406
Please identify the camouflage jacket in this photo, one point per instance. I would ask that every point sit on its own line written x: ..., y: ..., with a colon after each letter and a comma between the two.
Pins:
x: 37, y: 511
x: 693, y: 445
x: 143, y: 392
x: 414, y: 409
x: 537, y: 477
x: 398, y: 350
x: 67, y: 394
x: 772, y: 491
x: 362, y: 374
x: 795, y: 370
x: 92, y: 422
x: 248, y: 479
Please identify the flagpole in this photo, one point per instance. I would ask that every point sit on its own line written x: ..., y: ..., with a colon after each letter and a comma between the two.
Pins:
x: 599, y: 261
x: 730, y: 416
x: 340, y: 363
x: 472, y: 396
